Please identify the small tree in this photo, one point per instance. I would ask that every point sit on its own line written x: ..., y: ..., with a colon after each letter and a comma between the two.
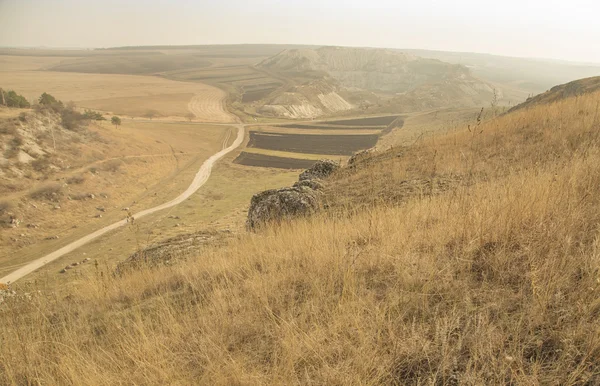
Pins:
x: 151, y: 114
x: 115, y: 121
x: 190, y: 116
x: 47, y: 100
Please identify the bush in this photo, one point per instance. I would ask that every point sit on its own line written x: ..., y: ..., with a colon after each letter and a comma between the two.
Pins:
x: 8, y: 127
x: 17, y: 141
x: 15, y: 100
x: 112, y: 165
x: 71, y: 119
x: 76, y: 180
x: 5, y: 206
x: 49, y: 192
x: 41, y: 165
x: 93, y: 115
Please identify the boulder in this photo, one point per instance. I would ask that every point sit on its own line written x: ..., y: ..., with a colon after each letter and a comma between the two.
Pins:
x: 280, y: 204
x: 321, y: 169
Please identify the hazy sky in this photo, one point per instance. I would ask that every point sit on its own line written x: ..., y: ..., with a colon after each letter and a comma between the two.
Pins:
x: 560, y: 29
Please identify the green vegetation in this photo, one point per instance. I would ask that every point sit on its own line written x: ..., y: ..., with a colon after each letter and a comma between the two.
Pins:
x: 12, y: 99
x: 115, y: 121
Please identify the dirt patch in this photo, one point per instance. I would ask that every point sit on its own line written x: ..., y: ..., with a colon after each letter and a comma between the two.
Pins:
x: 268, y: 161
x: 313, y: 144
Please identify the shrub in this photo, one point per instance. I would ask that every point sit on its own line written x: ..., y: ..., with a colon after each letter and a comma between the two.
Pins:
x: 112, y: 165
x: 93, y: 115
x: 49, y: 192
x: 8, y: 127
x: 41, y: 164
x: 17, y: 141
x: 76, y: 180
x: 15, y: 100
x: 5, y: 206
x: 71, y: 119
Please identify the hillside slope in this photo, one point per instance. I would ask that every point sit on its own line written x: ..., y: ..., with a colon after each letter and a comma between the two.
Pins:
x: 572, y: 89
x: 470, y: 258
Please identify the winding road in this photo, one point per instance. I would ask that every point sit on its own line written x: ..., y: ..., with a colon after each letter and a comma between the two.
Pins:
x: 199, y: 180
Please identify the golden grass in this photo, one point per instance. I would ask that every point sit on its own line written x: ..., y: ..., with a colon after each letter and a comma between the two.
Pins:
x: 494, y: 281
x: 122, y: 94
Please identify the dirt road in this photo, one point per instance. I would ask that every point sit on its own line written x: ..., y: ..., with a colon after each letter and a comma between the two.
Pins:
x: 199, y: 180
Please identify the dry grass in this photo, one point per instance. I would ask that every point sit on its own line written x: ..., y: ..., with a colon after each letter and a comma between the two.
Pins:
x: 493, y: 282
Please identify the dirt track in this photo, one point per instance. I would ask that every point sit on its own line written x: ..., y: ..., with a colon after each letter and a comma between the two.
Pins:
x: 199, y: 180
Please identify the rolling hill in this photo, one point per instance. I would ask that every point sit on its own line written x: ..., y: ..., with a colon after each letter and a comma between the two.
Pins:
x: 572, y: 89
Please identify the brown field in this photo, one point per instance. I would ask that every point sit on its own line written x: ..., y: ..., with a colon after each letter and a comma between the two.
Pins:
x: 369, y: 121
x: 27, y: 63
x: 325, y: 127
x: 317, y: 131
x: 312, y: 144
x: 269, y: 161
x: 167, y: 105
x: 108, y: 91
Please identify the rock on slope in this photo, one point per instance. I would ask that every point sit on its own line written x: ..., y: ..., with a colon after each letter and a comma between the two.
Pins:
x: 299, y: 200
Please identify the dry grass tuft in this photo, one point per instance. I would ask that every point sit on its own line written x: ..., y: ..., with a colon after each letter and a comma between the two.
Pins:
x: 493, y: 280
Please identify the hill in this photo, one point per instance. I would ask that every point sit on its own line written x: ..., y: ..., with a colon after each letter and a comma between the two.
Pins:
x: 396, y: 80
x: 572, y: 89
x: 468, y: 258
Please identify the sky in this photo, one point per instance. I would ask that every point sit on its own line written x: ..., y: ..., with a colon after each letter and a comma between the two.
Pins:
x: 555, y: 29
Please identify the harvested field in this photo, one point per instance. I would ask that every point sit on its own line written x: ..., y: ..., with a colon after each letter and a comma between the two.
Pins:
x: 324, y: 127
x: 136, y: 63
x: 313, y: 144
x: 209, y: 106
x: 373, y: 121
x: 256, y: 95
x: 167, y: 104
x: 268, y: 161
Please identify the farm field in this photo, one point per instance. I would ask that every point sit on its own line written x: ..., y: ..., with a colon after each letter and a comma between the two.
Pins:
x: 128, y: 95
x: 269, y: 161
x: 368, y: 121
x: 312, y: 144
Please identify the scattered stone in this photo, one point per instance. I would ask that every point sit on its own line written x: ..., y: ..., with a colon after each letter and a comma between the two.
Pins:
x: 68, y: 267
x: 125, y: 209
x: 74, y: 264
x: 62, y: 270
x: 52, y: 238
x: 98, y: 216
x: 34, y: 226
x: 56, y: 207
x: 101, y: 209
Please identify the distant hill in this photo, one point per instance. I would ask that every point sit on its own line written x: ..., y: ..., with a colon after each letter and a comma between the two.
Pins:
x: 575, y: 88
x: 365, y: 68
x: 397, y: 81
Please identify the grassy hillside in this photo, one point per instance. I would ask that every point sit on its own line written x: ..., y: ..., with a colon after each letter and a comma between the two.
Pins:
x: 470, y: 258
x: 564, y: 91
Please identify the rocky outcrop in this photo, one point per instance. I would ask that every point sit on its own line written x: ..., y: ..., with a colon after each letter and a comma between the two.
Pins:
x: 302, y: 199
x: 322, y: 169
